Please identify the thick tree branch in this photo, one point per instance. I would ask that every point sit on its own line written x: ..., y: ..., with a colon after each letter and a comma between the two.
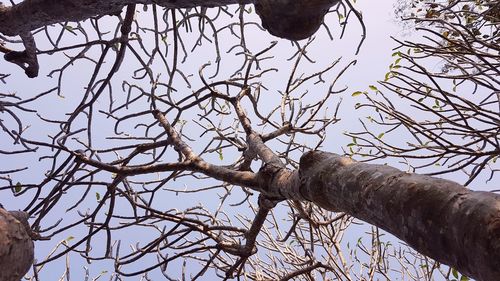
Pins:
x: 437, y: 217
x: 245, y: 251
x: 242, y: 178
x: 26, y: 59
x: 32, y: 14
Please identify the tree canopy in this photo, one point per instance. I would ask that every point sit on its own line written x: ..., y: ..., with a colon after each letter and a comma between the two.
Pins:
x: 179, y: 140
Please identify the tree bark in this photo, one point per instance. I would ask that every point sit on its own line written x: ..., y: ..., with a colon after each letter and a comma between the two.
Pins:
x: 292, y: 19
x: 32, y: 14
x: 437, y: 217
x: 16, y: 246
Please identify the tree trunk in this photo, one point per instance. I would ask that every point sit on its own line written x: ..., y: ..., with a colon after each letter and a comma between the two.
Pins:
x: 437, y: 217
x: 16, y: 247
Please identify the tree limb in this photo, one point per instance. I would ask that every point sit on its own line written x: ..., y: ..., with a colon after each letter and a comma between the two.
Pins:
x: 32, y: 14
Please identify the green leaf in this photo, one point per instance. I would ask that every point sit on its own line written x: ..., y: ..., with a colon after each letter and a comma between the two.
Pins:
x: 351, y: 144
x: 97, y: 196
x: 18, y: 187
x: 380, y: 135
x: 357, y: 93
x: 70, y: 29
x: 464, y: 278
x: 69, y: 238
x: 454, y: 272
x: 373, y: 88
x: 221, y: 157
x: 387, y: 76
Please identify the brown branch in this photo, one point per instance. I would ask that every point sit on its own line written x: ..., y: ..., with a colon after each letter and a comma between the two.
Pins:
x: 26, y: 59
x: 32, y: 14
x: 243, y: 178
x: 245, y: 251
x: 304, y: 270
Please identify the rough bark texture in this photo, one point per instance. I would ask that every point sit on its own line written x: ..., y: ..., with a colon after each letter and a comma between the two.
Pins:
x: 437, y: 217
x: 16, y: 246
x: 293, y: 19
x: 32, y: 14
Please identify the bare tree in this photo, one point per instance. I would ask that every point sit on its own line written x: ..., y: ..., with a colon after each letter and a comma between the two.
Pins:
x: 116, y: 163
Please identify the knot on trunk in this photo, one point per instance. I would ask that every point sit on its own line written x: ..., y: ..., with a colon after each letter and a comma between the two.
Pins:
x: 292, y: 19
